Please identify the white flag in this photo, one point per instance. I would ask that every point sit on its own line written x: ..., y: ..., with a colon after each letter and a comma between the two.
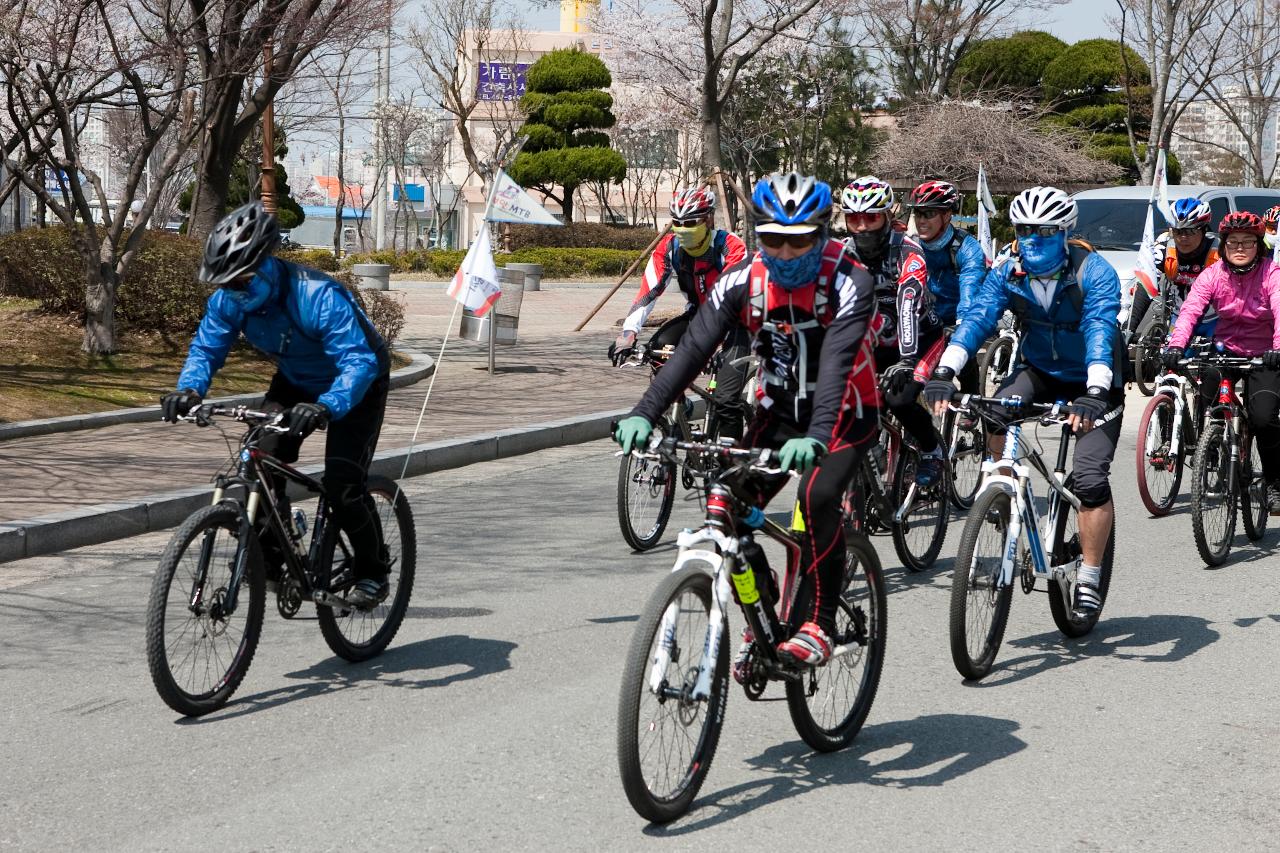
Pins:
x: 475, y: 284
x: 1146, y: 274
x: 513, y: 204
x: 1160, y: 187
x: 985, y: 208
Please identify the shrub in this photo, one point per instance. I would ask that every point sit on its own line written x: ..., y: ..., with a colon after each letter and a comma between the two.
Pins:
x: 556, y: 262
x: 317, y: 259
x: 580, y: 235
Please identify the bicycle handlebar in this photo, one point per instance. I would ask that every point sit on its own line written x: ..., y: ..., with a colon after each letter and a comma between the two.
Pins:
x: 756, y: 459
x: 201, y: 416
x: 1047, y: 412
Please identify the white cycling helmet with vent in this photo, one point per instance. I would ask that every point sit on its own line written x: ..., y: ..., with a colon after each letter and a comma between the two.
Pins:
x: 867, y: 194
x: 1044, y: 206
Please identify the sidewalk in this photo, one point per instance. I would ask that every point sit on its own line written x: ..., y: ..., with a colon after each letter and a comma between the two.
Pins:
x: 549, y: 374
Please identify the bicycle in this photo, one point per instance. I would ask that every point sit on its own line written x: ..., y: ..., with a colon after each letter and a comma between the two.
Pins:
x: 1228, y: 469
x: 1003, y: 539
x: 205, y: 611
x: 1001, y: 354
x: 1167, y: 435
x: 884, y: 497
x: 1150, y: 336
x: 675, y: 683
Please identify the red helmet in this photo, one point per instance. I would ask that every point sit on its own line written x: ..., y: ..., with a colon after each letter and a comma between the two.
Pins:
x: 934, y: 195
x: 1242, y: 221
x: 693, y: 203
x: 1272, y: 216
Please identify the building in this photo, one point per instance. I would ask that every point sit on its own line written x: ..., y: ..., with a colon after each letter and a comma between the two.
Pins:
x: 17, y: 211
x: 1213, y: 150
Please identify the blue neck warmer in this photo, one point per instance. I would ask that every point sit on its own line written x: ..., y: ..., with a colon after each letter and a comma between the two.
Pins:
x: 940, y: 242
x: 797, y: 272
x: 1043, y: 256
x: 253, y: 297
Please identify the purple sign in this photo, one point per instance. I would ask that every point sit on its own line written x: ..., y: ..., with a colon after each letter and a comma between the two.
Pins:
x: 501, y: 81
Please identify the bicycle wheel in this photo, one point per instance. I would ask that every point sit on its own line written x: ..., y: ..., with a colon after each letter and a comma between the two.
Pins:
x: 1159, y: 470
x: 1061, y: 591
x: 995, y: 365
x: 198, y: 654
x: 646, y: 490
x: 1213, y: 500
x: 979, y: 607
x: 1253, y: 490
x: 918, y: 537
x: 830, y: 703
x: 1146, y: 358
x: 354, y: 634
x: 966, y: 442
x: 666, y: 739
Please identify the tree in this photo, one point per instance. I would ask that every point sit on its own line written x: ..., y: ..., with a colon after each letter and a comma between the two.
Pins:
x: 1012, y: 65
x: 568, y: 114
x: 245, y: 181
x: 345, y: 84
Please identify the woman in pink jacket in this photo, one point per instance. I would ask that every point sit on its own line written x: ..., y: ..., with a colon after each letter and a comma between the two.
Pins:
x: 1245, y: 288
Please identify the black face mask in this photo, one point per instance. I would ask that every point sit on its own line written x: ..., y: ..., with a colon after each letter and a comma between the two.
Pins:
x: 871, y: 245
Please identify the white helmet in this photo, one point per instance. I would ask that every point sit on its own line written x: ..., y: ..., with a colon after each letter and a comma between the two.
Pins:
x: 867, y: 194
x: 1044, y: 206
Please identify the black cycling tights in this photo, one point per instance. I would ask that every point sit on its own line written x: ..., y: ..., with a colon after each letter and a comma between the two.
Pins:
x: 1262, y: 399
x: 731, y: 410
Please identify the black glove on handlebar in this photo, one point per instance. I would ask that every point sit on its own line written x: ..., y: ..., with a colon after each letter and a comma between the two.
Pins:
x: 941, y: 386
x: 1091, y: 405
x: 306, y: 418
x: 175, y: 404
x: 1271, y: 359
x: 1169, y: 357
x: 899, y: 375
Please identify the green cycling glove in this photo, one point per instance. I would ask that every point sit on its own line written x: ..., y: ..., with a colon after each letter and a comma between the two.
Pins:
x: 632, y: 433
x: 801, y: 454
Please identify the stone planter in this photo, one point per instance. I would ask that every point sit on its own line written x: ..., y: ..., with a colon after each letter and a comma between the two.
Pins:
x: 373, y: 276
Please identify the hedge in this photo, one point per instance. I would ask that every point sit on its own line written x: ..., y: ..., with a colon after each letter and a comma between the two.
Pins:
x: 160, y: 292
x: 580, y: 235
x: 556, y: 262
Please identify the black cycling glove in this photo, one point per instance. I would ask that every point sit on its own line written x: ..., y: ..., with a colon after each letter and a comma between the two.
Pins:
x: 897, y: 377
x: 306, y: 418
x: 941, y: 387
x: 1091, y: 405
x: 1271, y: 359
x: 1169, y: 357
x: 175, y: 404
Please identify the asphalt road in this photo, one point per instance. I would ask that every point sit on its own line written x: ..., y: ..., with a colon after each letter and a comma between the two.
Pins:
x: 489, y: 725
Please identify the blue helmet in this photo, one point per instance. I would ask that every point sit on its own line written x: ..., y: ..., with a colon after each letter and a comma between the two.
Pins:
x: 790, y: 204
x: 1191, y: 213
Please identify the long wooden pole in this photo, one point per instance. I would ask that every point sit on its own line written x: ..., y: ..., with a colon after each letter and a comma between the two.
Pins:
x: 626, y: 275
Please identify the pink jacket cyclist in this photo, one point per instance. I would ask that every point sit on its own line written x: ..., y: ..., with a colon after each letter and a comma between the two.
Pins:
x: 1247, y: 304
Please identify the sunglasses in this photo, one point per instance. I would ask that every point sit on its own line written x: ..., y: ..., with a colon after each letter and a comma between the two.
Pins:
x: 795, y: 241
x: 862, y: 218
x: 691, y: 222
x: 927, y: 213
x: 1237, y: 245
x: 238, y: 284
x: 1186, y: 232
x: 1042, y: 230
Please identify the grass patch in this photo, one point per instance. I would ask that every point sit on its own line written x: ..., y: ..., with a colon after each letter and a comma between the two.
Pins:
x: 43, y: 373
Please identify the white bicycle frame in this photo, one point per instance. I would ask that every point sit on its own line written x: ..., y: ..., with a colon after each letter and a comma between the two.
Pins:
x: 1174, y: 385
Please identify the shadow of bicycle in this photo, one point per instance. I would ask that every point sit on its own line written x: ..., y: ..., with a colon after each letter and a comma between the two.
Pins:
x: 435, y: 662
x: 928, y: 751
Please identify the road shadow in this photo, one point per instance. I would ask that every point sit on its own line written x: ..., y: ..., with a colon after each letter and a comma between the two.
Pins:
x: 452, y: 658
x: 928, y: 751
x: 1148, y: 639
x: 1252, y: 552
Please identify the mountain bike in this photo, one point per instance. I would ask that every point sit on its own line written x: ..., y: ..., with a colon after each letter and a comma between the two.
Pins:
x: 205, y: 611
x: 884, y: 497
x: 1167, y: 436
x: 676, y: 679
x: 1228, y: 468
x: 1149, y: 337
x: 964, y: 439
x: 1003, y: 542
x: 1001, y: 354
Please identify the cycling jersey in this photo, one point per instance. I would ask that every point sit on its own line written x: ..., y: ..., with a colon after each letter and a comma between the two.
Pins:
x: 956, y: 266
x: 695, y: 276
x: 1248, y: 307
x: 906, y: 309
x: 815, y: 352
x: 310, y: 326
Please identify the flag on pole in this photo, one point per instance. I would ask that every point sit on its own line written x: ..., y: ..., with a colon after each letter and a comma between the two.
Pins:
x: 1146, y: 272
x: 475, y: 285
x: 512, y: 204
x: 985, y: 208
x: 1160, y: 187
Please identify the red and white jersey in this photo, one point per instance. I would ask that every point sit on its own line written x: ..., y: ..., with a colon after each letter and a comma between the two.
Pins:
x: 696, y: 276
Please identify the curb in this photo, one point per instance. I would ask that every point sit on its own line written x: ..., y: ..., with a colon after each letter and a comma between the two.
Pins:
x: 421, y: 366
x: 94, y: 525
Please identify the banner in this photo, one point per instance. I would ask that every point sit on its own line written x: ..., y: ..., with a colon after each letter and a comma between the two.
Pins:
x: 475, y: 284
x: 986, y: 207
x: 512, y: 204
x: 1160, y: 187
x: 1146, y: 273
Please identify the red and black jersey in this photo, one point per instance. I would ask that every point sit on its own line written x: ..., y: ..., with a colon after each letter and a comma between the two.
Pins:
x: 695, y: 276
x: 907, y: 312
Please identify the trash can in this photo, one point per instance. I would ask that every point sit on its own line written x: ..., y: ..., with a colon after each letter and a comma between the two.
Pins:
x: 505, y: 313
x: 532, y: 275
x: 373, y: 276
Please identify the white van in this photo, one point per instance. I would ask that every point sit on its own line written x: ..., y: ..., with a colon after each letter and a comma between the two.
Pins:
x: 1112, y: 219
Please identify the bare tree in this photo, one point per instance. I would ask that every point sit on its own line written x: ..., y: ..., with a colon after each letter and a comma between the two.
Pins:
x: 1183, y: 43
x: 70, y: 63
x: 346, y: 82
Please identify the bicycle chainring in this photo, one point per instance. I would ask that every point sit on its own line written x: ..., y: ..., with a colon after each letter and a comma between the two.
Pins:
x: 289, y: 598
x: 1026, y: 571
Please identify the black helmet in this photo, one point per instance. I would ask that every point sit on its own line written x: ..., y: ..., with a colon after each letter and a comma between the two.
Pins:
x: 239, y: 243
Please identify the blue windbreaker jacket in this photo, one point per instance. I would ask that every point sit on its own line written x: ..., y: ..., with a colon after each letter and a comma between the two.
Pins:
x: 953, y: 288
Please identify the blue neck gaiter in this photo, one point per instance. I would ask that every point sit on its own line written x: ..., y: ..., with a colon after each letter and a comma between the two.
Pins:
x: 940, y: 242
x: 1043, y: 256
x: 797, y: 272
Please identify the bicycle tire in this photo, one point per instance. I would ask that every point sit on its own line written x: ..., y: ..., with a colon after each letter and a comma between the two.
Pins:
x: 860, y: 616
x: 973, y: 588
x: 645, y: 480
x: 966, y: 448
x: 666, y: 805
x: 1211, y: 496
x: 1067, y: 535
x: 1158, y: 480
x: 1146, y: 358
x: 995, y: 364
x: 358, y: 635
x: 1252, y: 490
x: 204, y: 631
x: 918, y: 538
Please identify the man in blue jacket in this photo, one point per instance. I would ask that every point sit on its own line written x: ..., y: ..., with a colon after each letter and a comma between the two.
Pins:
x: 954, y: 259
x: 332, y: 370
x: 1067, y: 298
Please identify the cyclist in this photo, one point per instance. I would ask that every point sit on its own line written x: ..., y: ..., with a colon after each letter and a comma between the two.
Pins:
x: 332, y: 370
x: 1181, y: 254
x: 1245, y: 288
x: 907, y: 327
x: 809, y: 305
x: 1067, y: 298
x: 697, y: 254
x: 954, y: 258
x: 1269, y: 219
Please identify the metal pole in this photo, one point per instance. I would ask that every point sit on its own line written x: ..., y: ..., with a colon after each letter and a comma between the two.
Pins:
x: 626, y: 275
x: 268, y: 140
x: 493, y: 339
x: 384, y: 97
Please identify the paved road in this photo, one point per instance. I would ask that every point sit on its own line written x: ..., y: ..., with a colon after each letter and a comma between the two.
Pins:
x: 490, y: 723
